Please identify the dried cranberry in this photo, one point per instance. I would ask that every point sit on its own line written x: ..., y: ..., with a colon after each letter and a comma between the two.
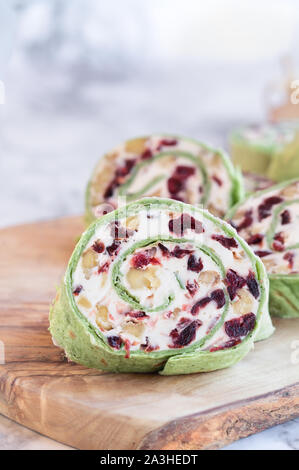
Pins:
x: 200, y: 304
x: 240, y: 326
x: 227, y: 242
x: 143, y: 259
x: 278, y: 243
x: 277, y: 246
x: 127, y: 348
x: 246, y: 222
x: 290, y: 258
x: 183, y: 322
x: 165, y: 251
x: 264, y: 209
x: 146, y: 154
x: 180, y: 252
x: 140, y: 260
x: 155, y: 261
x: 262, y: 253
x: 234, y: 282
x: 77, y: 290
x: 114, y: 341
x: 174, y: 185
x: 104, y: 268
x: 183, y: 172
x: 119, y: 176
x: 279, y: 237
x: 194, y: 264
x: 253, y: 285
x: 110, y: 189
x: 191, y: 287
x: 229, y: 344
x: 137, y: 315
x: 98, y: 246
x: 183, y: 335
x: 184, y: 222
x: 177, y: 181
x: 166, y: 143
x: 124, y: 170
x: 255, y: 239
x: 285, y: 217
x: 217, y: 180
x: 177, y: 198
x: 218, y: 297
x: 113, y: 248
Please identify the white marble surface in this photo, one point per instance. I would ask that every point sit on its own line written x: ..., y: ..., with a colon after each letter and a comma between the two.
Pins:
x: 61, y: 115
x: 16, y: 437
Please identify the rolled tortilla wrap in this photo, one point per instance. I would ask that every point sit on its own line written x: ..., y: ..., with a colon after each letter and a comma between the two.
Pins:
x: 252, y: 148
x: 285, y: 162
x: 163, y: 166
x: 268, y: 221
x: 160, y: 286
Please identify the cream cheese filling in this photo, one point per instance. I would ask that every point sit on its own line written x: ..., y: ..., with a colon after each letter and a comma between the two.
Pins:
x: 219, y: 198
x: 155, y: 282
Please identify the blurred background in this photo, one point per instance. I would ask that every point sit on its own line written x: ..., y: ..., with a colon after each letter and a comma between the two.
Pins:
x: 82, y: 75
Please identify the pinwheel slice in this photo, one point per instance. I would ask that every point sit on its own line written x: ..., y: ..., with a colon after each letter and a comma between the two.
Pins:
x: 285, y: 162
x: 163, y: 166
x: 268, y: 221
x: 253, y: 147
x: 161, y: 286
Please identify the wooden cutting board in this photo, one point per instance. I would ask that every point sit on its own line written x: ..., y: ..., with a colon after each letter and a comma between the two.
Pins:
x: 88, y: 409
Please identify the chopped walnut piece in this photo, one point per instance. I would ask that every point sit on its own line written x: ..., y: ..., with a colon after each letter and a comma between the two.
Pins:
x: 290, y: 191
x: 102, y: 317
x: 102, y: 312
x: 239, y: 255
x: 269, y: 264
x: 143, y: 278
x: 84, y: 302
x: 209, y: 277
x: 104, y: 279
x: 132, y: 223
x: 214, y: 210
x: 102, y: 178
x: 134, y: 329
x: 139, y: 279
x: 136, y: 146
x: 111, y: 156
x: 243, y: 304
x: 176, y: 312
x: 151, y: 276
x: 89, y: 259
x: 136, y: 279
